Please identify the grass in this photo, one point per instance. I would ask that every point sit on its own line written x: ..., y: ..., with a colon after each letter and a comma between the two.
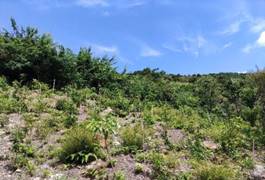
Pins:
x: 133, y: 137
x: 79, y: 146
x: 207, y: 171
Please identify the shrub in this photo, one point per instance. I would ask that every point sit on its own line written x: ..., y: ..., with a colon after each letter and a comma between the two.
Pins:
x: 66, y: 105
x: 79, y: 146
x: 3, y: 120
x: 138, y: 168
x: 119, y: 175
x: 8, y: 104
x: 70, y: 120
x: 118, y: 103
x: 96, y: 174
x: 79, y: 96
x: 236, y: 135
x: 37, y: 85
x: 159, y: 163
x: 197, y: 150
x: 3, y: 83
x: 105, y: 126
x: 218, y: 172
x: 133, y: 137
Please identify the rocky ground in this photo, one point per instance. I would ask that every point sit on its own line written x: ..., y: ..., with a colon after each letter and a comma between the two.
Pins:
x: 53, y: 170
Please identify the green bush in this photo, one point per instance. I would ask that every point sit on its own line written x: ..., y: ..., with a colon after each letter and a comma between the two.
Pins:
x: 79, y: 146
x: 216, y: 172
x: 67, y: 106
x: 235, y: 136
x: 19, y: 145
x: 8, y: 104
x: 197, y: 150
x: 3, y: 120
x: 133, y: 137
x: 79, y: 96
x: 70, y: 120
x: 119, y: 175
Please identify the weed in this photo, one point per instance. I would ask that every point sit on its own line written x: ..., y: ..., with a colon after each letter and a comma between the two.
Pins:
x: 138, y: 169
x: 3, y: 120
x: 212, y: 171
x: 119, y: 175
x: 133, y: 137
x: 79, y: 146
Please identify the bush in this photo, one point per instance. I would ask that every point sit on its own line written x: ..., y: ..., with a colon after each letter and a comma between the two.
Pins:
x: 120, y: 104
x: 79, y: 146
x: 67, y: 106
x: 217, y: 172
x: 70, y: 120
x: 79, y: 96
x: 197, y: 150
x: 138, y: 169
x: 3, y: 120
x: 236, y: 135
x: 119, y: 175
x: 8, y: 104
x: 133, y: 137
x: 20, y: 161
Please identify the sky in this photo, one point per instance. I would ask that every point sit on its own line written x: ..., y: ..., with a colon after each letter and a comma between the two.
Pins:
x: 177, y: 36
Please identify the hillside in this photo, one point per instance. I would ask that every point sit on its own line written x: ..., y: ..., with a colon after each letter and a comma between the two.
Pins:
x: 74, y: 116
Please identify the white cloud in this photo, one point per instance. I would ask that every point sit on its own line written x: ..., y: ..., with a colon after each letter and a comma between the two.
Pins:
x: 248, y: 48
x: 258, y: 25
x: 172, y: 48
x: 101, y: 49
x: 227, y: 45
x: 260, y: 42
x: 232, y: 28
x: 147, y: 51
x: 135, y: 4
x: 90, y: 3
x: 194, y: 45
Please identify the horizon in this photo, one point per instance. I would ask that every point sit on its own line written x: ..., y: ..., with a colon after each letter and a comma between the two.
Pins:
x: 177, y: 37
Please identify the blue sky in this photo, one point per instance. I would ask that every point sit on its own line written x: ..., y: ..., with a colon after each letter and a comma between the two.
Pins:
x: 186, y: 37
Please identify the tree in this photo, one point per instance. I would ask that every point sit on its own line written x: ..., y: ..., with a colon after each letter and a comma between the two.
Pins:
x: 259, y: 78
x: 26, y: 55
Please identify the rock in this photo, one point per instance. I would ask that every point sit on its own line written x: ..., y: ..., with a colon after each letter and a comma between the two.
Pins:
x: 36, y: 178
x: 147, y: 170
x: 116, y: 141
x: 15, y: 120
x: 258, y: 173
x: 106, y: 112
x: 96, y: 165
x: 56, y: 176
x: 82, y: 114
x: 175, y: 136
x: 18, y: 171
x: 210, y: 145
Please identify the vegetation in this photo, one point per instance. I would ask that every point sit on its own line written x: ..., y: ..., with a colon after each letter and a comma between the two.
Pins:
x: 77, y: 109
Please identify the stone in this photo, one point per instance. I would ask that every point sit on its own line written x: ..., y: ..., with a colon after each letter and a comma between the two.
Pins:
x: 175, y: 136
x: 258, y: 173
x: 210, y: 145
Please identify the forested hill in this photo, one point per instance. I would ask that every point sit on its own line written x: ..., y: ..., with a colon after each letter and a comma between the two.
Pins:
x: 74, y: 116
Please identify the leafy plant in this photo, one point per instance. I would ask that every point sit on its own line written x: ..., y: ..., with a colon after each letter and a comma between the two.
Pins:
x: 105, y: 126
x: 119, y: 175
x: 79, y: 146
